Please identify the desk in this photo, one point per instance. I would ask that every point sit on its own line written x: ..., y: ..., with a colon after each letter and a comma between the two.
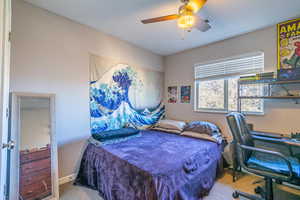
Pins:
x: 277, y: 138
x: 293, y: 142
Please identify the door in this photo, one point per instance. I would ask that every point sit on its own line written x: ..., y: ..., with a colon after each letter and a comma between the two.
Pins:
x: 5, y: 21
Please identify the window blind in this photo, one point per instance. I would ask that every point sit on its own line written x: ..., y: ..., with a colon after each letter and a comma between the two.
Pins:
x: 243, y: 64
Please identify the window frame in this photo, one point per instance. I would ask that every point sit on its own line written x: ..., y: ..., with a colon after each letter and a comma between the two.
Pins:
x: 226, y: 98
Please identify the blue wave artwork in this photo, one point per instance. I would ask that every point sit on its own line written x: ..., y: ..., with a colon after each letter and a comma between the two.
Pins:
x: 110, y: 105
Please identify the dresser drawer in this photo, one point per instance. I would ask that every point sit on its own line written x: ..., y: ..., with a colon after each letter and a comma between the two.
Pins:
x: 37, y: 190
x: 35, y: 166
x: 36, y: 196
x: 35, y: 177
x: 32, y: 156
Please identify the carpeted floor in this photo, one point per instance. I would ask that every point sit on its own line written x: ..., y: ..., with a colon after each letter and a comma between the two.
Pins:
x: 70, y: 192
x: 222, y: 190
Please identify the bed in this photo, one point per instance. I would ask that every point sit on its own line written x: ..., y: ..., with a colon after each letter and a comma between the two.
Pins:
x: 155, y: 166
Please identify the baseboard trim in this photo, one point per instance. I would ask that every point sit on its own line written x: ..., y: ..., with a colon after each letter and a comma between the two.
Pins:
x: 67, y: 179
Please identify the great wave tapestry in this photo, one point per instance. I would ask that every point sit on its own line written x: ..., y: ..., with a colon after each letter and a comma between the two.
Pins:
x: 122, y: 95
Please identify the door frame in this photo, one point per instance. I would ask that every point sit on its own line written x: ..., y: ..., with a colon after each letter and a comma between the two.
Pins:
x: 5, y: 30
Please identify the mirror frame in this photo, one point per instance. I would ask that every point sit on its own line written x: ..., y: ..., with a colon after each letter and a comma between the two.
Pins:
x: 15, y: 136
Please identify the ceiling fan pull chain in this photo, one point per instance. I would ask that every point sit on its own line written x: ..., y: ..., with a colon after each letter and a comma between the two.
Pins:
x: 182, y: 34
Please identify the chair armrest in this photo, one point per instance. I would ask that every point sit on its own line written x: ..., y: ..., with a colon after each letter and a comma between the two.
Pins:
x: 270, y: 139
x: 288, y: 143
x: 264, y: 172
x: 267, y: 134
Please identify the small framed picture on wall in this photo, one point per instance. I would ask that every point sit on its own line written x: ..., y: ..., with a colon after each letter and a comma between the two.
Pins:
x: 185, y: 94
x: 172, y: 94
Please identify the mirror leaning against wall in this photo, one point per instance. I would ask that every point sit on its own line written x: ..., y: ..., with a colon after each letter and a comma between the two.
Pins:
x: 33, y: 162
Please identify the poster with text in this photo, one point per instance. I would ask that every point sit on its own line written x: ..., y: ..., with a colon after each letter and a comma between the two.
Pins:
x: 289, y: 44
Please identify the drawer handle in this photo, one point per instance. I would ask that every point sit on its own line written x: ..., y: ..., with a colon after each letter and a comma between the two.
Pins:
x: 28, y: 180
x: 45, y: 185
x: 29, y: 192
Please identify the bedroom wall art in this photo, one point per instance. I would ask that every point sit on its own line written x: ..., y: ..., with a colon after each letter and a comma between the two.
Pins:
x: 172, y: 94
x: 185, y: 94
x: 289, y: 44
x: 121, y: 94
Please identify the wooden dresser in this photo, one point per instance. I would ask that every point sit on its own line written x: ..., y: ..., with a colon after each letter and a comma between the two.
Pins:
x: 35, y: 174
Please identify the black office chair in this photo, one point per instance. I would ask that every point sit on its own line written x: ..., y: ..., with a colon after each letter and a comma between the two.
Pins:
x: 272, y: 165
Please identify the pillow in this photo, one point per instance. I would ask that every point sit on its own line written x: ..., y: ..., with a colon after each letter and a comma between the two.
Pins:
x: 171, y: 124
x: 166, y: 130
x: 203, y: 136
x: 130, y: 125
x: 202, y: 127
x: 113, y: 134
x: 112, y: 141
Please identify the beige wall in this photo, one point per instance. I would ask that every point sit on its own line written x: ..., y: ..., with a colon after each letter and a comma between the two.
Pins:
x: 50, y: 54
x: 280, y: 116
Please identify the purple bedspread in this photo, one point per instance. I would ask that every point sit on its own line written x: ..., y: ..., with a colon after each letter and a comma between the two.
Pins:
x: 156, y: 166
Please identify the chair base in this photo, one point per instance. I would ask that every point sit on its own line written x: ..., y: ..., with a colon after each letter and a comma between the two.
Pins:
x: 237, y: 194
x: 265, y: 193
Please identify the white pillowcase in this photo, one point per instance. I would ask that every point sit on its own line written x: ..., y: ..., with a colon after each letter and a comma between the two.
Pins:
x: 171, y: 125
x: 166, y: 130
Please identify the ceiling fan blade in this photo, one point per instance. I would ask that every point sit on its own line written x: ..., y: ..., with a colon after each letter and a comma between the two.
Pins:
x: 202, y: 25
x: 160, y: 19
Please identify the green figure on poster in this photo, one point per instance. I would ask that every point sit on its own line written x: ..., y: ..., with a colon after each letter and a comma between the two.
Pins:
x: 294, y: 61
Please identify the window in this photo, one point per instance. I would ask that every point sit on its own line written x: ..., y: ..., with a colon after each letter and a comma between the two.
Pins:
x: 217, y: 84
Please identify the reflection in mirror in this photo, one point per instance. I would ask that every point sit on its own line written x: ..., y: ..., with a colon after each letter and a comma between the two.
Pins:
x: 35, y: 148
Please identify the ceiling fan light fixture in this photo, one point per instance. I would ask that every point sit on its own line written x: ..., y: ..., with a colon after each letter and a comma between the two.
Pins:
x: 186, y: 20
x: 187, y: 17
x: 196, y: 5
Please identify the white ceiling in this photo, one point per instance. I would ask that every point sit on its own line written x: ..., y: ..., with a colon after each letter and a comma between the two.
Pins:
x: 121, y: 18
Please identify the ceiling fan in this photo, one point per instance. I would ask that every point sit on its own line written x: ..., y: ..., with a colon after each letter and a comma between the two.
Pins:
x: 187, y: 17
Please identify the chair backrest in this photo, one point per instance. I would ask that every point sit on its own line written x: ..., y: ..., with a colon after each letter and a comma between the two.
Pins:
x: 240, y: 131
